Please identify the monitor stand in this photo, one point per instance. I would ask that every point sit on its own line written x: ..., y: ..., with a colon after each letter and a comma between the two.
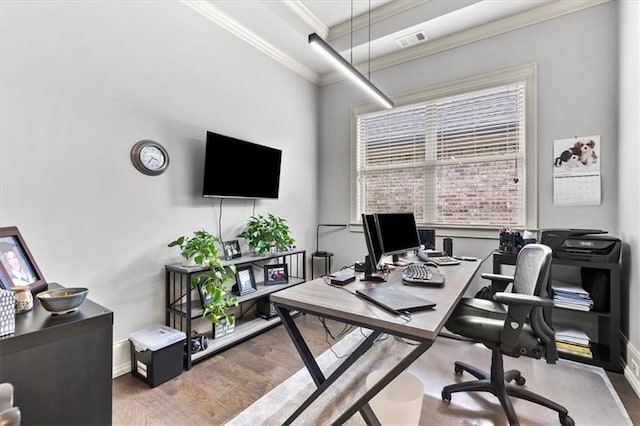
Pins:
x: 372, y: 274
x: 374, y: 278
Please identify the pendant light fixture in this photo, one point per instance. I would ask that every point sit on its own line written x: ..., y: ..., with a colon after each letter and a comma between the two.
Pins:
x: 348, y: 69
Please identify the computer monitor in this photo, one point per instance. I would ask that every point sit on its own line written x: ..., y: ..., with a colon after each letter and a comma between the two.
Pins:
x: 373, y: 242
x: 397, y: 232
x: 427, y: 238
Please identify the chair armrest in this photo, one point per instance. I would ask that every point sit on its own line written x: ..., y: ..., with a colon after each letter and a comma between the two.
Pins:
x: 497, y: 277
x: 523, y: 299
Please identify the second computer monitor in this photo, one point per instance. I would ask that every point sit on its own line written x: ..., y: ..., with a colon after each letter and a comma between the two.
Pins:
x: 397, y: 232
x: 427, y: 238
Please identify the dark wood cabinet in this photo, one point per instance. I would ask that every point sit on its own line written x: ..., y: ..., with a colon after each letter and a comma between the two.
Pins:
x: 602, y: 322
x: 60, y: 365
x: 184, y: 304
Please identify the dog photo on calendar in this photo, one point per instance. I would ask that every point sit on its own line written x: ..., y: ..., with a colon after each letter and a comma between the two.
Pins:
x: 577, y: 154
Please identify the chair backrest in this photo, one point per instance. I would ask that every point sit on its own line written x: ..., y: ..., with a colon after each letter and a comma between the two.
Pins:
x: 531, y: 277
x: 532, y: 270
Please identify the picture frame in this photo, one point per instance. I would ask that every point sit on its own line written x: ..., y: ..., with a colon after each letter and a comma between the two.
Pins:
x: 276, y: 274
x: 245, y: 281
x: 231, y: 249
x: 204, y: 296
x: 17, y: 265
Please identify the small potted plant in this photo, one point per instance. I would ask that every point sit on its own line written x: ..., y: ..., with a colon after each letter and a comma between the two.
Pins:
x: 202, y: 247
x: 264, y: 233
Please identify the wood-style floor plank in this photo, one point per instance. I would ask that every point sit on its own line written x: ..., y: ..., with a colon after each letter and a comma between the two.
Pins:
x: 215, y: 390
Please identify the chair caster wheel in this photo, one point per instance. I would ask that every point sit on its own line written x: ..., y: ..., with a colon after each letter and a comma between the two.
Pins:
x: 459, y: 370
x: 566, y: 420
x: 446, y: 396
x: 520, y: 381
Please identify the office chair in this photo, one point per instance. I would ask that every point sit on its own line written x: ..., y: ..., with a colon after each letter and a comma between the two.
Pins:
x: 512, y: 324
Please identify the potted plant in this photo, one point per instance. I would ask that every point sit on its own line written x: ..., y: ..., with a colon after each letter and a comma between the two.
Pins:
x: 264, y: 233
x: 202, y: 247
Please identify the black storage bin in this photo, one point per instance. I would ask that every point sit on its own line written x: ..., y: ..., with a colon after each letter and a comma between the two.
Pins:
x: 157, y: 354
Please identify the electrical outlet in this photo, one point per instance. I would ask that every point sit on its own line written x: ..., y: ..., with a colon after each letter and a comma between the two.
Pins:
x: 634, y: 368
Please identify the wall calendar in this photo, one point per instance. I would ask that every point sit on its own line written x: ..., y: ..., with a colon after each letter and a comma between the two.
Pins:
x: 576, y: 171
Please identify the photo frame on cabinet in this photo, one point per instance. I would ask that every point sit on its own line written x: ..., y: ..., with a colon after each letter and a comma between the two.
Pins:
x: 276, y: 274
x: 245, y: 280
x: 17, y: 265
x: 5, y: 284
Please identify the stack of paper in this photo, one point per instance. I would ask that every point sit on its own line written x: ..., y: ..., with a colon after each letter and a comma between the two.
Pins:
x: 573, y: 340
x: 571, y: 296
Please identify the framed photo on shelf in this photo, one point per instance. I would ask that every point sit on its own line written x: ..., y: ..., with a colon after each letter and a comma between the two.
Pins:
x: 231, y: 249
x: 204, y: 296
x: 244, y: 280
x: 17, y: 265
x: 276, y: 274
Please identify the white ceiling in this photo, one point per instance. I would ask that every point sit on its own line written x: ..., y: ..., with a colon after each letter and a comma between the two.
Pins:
x: 281, y: 28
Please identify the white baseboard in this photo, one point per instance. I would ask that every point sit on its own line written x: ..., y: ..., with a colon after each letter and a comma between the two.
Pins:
x: 121, y: 359
x: 632, y: 354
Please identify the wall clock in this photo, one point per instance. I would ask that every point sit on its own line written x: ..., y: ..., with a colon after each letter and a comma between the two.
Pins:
x: 150, y: 157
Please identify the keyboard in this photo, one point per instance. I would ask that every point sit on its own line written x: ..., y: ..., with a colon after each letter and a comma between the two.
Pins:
x: 439, y: 258
x: 422, y: 274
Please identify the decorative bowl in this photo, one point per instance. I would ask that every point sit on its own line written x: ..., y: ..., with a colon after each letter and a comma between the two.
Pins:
x: 62, y: 300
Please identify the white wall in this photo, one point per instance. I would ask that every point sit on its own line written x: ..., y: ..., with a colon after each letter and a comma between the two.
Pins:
x: 81, y: 83
x: 577, y: 95
x: 628, y: 177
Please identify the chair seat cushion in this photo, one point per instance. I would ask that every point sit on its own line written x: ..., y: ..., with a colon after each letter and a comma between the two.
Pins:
x: 477, y: 328
x: 483, y: 320
x: 489, y: 308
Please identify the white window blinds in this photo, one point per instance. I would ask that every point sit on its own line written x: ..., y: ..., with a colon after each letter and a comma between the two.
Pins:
x: 454, y: 161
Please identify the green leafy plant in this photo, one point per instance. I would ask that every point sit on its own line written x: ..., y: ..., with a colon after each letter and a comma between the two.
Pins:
x: 202, y: 247
x: 266, y: 232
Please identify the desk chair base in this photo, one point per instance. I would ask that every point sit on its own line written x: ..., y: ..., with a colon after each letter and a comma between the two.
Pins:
x: 498, y: 383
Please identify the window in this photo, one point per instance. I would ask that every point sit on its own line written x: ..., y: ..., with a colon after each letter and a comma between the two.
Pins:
x: 458, y: 155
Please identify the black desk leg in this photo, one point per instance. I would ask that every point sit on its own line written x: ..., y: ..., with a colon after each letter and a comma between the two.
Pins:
x: 313, y: 368
x: 300, y: 344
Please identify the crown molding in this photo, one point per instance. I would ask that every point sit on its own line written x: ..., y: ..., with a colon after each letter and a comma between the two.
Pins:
x: 211, y: 12
x: 530, y: 17
x: 379, y: 14
x: 316, y: 25
x: 540, y: 14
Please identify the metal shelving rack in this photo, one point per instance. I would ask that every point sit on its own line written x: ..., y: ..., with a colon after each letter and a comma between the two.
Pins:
x: 183, y: 304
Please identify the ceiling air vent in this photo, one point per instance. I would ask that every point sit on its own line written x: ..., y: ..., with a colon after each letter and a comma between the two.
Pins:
x: 412, y: 39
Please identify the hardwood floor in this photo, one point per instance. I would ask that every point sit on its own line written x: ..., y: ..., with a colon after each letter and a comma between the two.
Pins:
x: 217, y: 389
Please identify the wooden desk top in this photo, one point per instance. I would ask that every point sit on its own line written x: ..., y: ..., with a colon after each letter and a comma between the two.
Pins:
x: 317, y: 297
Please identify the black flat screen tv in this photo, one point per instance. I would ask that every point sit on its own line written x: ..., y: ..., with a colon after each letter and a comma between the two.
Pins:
x: 235, y: 168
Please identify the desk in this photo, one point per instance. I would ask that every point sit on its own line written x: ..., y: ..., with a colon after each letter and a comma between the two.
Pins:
x: 317, y: 298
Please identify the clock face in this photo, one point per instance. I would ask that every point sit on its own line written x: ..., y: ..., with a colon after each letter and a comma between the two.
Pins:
x: 150, y: 157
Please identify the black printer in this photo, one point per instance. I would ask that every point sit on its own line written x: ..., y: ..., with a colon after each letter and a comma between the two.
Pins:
x: 582, y: 244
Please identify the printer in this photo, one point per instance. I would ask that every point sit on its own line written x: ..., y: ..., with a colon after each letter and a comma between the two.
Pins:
x: 588, y: 245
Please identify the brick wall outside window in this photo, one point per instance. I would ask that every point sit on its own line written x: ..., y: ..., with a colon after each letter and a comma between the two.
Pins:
x: 454, y: 161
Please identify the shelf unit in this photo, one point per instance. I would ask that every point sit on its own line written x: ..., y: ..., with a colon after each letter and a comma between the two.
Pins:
x: 183, y: 303
x: 601, y: 324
